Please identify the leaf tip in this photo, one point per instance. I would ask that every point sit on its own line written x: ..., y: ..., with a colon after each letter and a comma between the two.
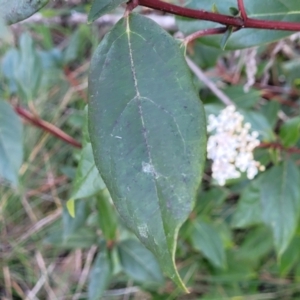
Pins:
x: 71, y: 207
x: 180, y: 284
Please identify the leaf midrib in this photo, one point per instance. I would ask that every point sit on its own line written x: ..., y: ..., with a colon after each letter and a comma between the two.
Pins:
x: 143, y: 124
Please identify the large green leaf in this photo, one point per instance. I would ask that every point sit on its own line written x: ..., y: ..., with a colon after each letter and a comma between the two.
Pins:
x: 280, y: 10
x: 280, y: 197
x: 139, y: 263
x: 14, y: 11
x: 11, y: 143
x: 147, y: 128
x: 101, y: 7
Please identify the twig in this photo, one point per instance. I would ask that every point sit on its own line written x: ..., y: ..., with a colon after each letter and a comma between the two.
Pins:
x: 202, y: 77
x: 205, y: 32
x: 242, y: 9
x: 85, y: 272
x: 42, y: 265
x: 46, y: 126
x: 131, y: 5
x: 275, y: 145
x: 42, y: 189
x: 39, y: 225
x: 271, y: 96
x: 32, y: 294
x: 219, y: 18
x: 7, y: 281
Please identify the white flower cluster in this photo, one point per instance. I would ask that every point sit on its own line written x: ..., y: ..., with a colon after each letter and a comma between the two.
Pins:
x: 231, y: 146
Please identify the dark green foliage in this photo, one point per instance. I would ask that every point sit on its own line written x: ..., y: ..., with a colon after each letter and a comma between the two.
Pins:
x: 133, y: 199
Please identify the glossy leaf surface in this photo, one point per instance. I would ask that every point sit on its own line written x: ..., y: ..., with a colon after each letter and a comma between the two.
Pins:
x: 148, y: 134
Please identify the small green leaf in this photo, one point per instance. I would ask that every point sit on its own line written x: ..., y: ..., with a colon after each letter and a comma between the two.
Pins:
x: 259, y: 123
x: 28, y: 72
x: 148, y: 135
x: 139, y: 263
x: 260, y: 239
x: 10, y: 63
x: 215, y: 9
x: 270, y: 111
x: 207, y: 240
x: 226, y: 37
x: 101, y: 7
x: 83, y: 238
x: 280, y: 194
x: 249, y: 209
x: 290, y: 257
x: 237, y: 270
x: 290, y: 132
x: 88, y: 182
x: 73, y: 224
x: 72, y: 50
x: 14, y: 11
x: 76, y: 45
x: 71, y: 207
x: 100, y: 276
x: 211, y: 199
x: 11, y: 143
x: 240, y: 98
x: 234, y: 11
x: 107, y: 215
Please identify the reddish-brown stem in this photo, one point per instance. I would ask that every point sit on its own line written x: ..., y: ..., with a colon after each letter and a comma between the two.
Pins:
x: 131, y: 5
x: 242, y: 9
x: 192, y: 13
x: 271, y: 96
x: 275, y: 145
x: 46, y: 126
x: 205, y: 32
x: 219, y: 18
